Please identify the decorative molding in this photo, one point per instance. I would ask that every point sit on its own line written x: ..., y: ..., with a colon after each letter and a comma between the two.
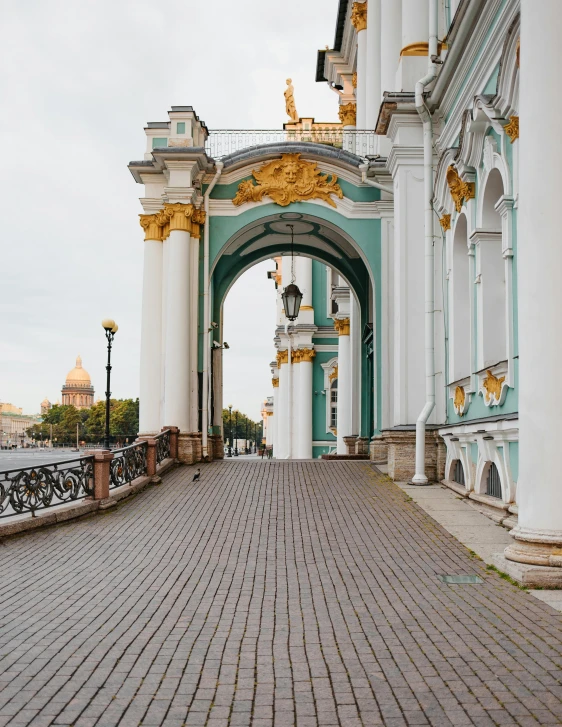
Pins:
x: 275, y: 382
x: 459, y: 401
x: 415, y: 49
x: 334, y: 375
x: 512, y: 129
x: 354, y: 79
x: 445, y: 222
x: 345, y: 207
x: 177, y: 216
x: 342, y: 326
x: 493, y: 389
x: 152, y: 230
x: 307, y: 354
x: 460, y: 191
x: 347, y: 113
x: 282, y: 357
x: 359, y: 16
x: 286, y: 180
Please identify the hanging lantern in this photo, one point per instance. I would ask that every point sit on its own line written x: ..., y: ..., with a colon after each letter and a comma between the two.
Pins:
x: 292, y: 298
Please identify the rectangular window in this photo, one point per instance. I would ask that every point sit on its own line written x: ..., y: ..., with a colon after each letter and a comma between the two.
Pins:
x: 159, y: 142
x: 180, y: 127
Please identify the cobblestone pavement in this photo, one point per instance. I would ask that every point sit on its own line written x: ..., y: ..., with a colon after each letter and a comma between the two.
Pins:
x: 269, y: 593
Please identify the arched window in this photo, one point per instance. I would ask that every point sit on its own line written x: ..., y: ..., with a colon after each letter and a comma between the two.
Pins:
x: 493, y: 482
x: 457, y: 472
x: 491, y: 294
x: 334, y: 404
x: 460, y: 294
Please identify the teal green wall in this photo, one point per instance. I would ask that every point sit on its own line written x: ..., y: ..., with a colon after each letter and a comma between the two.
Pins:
x: 320, y: 294
x: 318, y: 400
x: 514, y: 460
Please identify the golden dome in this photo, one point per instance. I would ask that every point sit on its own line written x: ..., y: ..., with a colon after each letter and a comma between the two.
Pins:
x: 78, y: 375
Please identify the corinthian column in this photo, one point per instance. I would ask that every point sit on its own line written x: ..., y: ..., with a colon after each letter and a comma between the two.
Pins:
x: 304, y: 395
x: 373, y: 92
x: 538, y: 536
x: 177, y: 360
x: 359, y: 21
x: 342, y: 326
x: 282, y: 403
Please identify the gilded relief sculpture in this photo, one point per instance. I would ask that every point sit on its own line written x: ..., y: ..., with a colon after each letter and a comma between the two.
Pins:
x: 460, y: 191
x: 493, y: 387
x: 286, y: 180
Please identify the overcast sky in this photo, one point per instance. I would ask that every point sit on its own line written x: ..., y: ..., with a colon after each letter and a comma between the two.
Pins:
x: 79, y: 80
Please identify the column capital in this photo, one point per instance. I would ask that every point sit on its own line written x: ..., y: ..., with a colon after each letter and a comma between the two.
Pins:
x: 307, y: 354
x: 152, y: 228
x: 282, y: 357
x: 359, y: 16
x: 342, y: 326
x: 348, y: 114
x: 174, y: 216
x: 275, y: 382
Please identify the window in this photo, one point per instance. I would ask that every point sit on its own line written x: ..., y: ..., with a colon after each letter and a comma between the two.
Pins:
x: 334, y: 404
x: 458, y: 472
x: 460, y: 294
x: 180, y: 127
x: 159, y: 142
x: 493, y: 482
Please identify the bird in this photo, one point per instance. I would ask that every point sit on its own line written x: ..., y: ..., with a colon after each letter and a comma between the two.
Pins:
x: 196, y: 476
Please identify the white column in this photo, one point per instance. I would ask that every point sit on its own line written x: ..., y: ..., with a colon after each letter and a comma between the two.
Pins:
x: 275, y: 382
x: 296, y: 403
x: 194, y: 333
x: 539, y: 532
x: 355, y: 350
x: 361, y: 27
x: 163, y: 328
x: 268, y: 423
x: 344, y: 385
x: 373, y: 97
x: 391, y: 42
x: 304, y: 441
x: 151, y: 335
x: 303, y: 270
x: 282, y: 404
x: 177, y: 361
x: 413, y: 54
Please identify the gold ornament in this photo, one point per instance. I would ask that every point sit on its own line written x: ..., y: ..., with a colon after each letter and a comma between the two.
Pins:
x: 334, y: 375
x: 176, y: 216
x: 342, y: 326
x: 460, y: 191
x: 275, y: 381
x: 359, y: 16
x: 445, y: 222
x: 492, y: 385
x: 354, y: 79
x: 286, y: 180
x: 307, y: 354
x: 296, y: 356
x: 282, y: 357
x: 348, y: 114
x: 152, y: 230
x: 460, y: 400
x: 512, y: 129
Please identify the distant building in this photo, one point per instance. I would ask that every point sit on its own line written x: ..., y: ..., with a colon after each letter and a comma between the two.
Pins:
x: 78, y: 390
x: 46, y: 406
x: 14, y: 424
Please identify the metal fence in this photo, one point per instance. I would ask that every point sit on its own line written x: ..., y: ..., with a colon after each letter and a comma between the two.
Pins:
x: 37, y: 488
x: 222, y: 142
x: 127, y: 464
x: 162, y: 446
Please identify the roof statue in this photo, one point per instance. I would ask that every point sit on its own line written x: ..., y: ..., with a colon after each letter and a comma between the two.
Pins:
x: 290, y: 101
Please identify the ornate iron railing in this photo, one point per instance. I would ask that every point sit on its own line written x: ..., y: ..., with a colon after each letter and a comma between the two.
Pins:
x: 127, y: 464
x: 37, y: 488
x: 162, y: 446
x: 222, y: 142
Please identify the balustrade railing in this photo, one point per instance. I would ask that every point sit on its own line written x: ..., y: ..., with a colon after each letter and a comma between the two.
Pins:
x: 222, y: 142
x: 162, y: 446
x: 37, y: 488
x: 127, y: 464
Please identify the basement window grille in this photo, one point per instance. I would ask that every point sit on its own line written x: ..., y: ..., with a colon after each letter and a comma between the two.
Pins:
x: 458, y: 473
x: 493, y: 482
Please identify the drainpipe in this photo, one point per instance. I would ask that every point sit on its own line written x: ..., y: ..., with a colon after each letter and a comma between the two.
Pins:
x: 207, y: 318
x: 364, y: 168
x: 289, y: 393
x: 420, y: 477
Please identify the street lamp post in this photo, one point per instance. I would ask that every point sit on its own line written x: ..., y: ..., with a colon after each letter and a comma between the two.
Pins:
x: 236, y: 428
x: 110, y: 328
x: 230, y: 428
x: 246, y: 449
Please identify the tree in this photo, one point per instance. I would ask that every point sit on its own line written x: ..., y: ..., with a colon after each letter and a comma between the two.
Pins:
x: 239, y: 432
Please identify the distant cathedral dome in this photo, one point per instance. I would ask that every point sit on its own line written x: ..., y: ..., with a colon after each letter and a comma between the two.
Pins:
x: 78, y: 389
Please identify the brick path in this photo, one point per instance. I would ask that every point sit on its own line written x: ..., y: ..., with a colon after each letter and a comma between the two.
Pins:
x: 268, y: 594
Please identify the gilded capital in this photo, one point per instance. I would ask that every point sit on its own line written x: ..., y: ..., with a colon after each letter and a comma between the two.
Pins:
x: 151, y: 226
x: 307, y: 354
x: 445, y: 222
x: 275, y: 382
x: 282, y: 357
x: 348, y: 114
x: 296, y: 356
x: 359, y: 16
x: 180, y: 216
x: 342, y: 326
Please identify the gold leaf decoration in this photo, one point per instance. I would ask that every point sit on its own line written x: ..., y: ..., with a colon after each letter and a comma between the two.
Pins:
x: 460, y: 400
x: 512, y: 129
x: 348, y: 114
x: 460, y: 191
x: 445, y: 222
x: 334, y: 375
x: 359, y: 16
x: 492, y: 386
x: 286, y: 180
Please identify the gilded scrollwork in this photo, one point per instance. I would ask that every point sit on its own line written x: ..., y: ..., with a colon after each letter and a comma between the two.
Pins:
x: 342, y: 326
x: 359, y: 16
x: 286, y: 180
x: 459, y: 401
x: 347, y: 113
x: 512, y: 129
x: 493, y: 389
x: 460, y: 191
x: 445, y: 222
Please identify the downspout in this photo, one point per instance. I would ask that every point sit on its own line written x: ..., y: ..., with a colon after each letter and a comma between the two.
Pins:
x: 206, y: 394
x: 289, y: 393
x: 420, y: 477
x: 364, y: 168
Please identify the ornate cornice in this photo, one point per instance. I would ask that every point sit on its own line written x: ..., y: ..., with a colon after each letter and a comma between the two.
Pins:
x: 348, y: 114
x: 342, y: 326
x: 359, y: 16
x: 460, y: 191
x: 512, y: 129
x: 445, y: 222
x: 177, y: 216
x: 275, y: 382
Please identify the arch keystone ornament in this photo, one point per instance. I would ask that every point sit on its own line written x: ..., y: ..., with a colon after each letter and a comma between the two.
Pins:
x: 289, y: 179
x: 460, y: 191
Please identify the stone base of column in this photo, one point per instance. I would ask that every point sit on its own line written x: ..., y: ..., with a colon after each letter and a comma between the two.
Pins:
x: 401, y: 447
x: 362, y: 445
x: 378, y: 449
x: 350, y: 444
x: 536, y: 547
x: 215, y: 446
x: 527, y: 575
x: 189, y: 447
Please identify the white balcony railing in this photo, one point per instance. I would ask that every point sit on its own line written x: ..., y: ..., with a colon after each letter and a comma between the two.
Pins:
x: 222, y: 142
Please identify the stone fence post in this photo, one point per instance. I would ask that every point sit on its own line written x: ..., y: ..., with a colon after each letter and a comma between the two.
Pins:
x: 174, y: 432
x: 102, y: 463
x: 151, y: 457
